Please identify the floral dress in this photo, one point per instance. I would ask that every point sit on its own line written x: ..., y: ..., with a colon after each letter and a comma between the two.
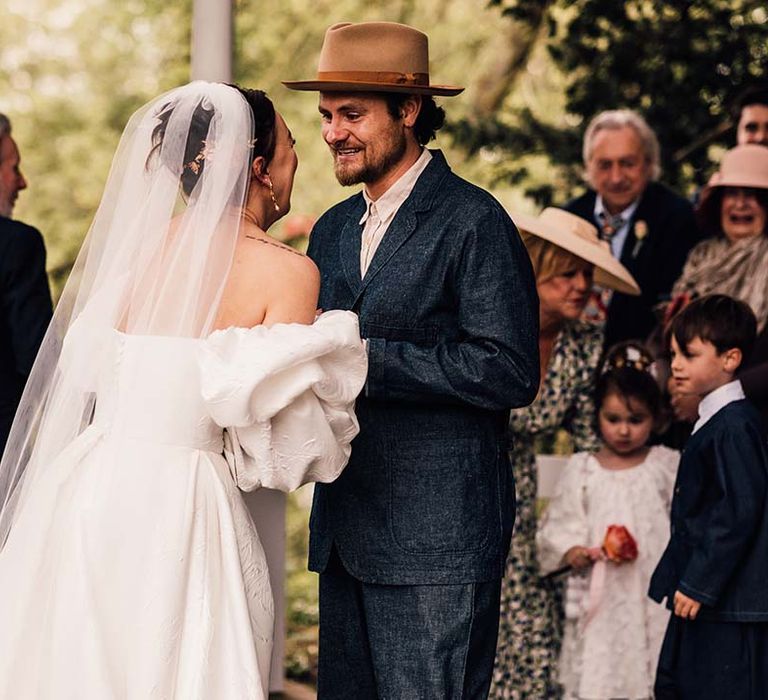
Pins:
x: 530, y: 623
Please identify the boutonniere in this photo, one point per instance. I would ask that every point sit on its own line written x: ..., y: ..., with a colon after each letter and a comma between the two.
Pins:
x: 641, y: 231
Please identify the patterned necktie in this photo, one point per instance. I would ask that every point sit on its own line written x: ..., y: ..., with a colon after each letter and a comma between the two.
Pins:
x: 609, y: 225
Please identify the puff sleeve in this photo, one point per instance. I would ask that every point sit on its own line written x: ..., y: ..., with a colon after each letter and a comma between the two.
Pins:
x: 285, y: 397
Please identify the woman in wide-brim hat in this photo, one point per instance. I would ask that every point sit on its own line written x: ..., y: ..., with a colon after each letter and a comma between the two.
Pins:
x: 734, y: 260
x: 734, y: 211
x: 567, y: 258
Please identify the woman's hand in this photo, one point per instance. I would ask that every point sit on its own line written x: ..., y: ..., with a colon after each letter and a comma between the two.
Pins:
x: 578, y: 557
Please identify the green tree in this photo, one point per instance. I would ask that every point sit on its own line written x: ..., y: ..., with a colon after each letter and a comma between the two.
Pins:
x: 680, y: 63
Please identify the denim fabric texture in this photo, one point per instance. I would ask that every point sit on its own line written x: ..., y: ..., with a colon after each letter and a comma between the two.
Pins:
x: 718, y: 548
x: 380, y: 642
x: 449, y: 308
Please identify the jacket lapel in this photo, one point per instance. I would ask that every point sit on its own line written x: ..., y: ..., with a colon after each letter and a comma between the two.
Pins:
x: 406, y: 219
x: 349, y: 246
x: 632, y: 251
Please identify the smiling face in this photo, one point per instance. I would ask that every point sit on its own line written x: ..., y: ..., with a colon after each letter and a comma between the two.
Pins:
x: 367, y: 143
x: 701, y: 368
x: 753, y: 125
x: 618, y: 167
x: 741, y: 213
x: 625, y: 423
x: 11, y: 179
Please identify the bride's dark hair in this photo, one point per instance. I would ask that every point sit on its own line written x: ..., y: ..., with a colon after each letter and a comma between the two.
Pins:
x: 262, y: 142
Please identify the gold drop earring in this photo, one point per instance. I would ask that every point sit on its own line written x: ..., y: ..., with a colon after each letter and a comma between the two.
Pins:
x: 272, y: 193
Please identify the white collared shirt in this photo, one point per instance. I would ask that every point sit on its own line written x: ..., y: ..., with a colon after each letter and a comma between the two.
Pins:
x: 717, y: 399
x: 619, y: 238
x: 379, y: 213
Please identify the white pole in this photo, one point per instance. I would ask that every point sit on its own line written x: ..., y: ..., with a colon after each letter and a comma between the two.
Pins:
x: 212, y: 44
x: 212, y: 29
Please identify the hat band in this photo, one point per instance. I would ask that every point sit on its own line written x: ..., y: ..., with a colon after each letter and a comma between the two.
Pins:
x: 383, y: 77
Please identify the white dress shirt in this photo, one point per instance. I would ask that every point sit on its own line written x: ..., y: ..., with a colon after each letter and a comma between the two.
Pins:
x: 380, y: 212
x: 619, y: 238
x: 717, y: 399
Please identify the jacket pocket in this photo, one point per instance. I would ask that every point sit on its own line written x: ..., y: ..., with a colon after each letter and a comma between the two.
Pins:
x: 442, y: 494
x: 422, y: 335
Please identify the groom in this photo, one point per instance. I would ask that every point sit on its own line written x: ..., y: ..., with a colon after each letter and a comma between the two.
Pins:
x: 410, y: 541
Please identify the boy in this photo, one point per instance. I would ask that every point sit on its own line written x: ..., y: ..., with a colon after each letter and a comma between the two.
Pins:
x: 714, y: 571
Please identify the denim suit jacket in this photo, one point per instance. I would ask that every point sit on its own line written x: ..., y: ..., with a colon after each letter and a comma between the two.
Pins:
x: 450, y: 311
x: 718, y: 548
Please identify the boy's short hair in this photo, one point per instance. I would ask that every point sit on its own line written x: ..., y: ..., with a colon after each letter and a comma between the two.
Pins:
x: 718, y: 319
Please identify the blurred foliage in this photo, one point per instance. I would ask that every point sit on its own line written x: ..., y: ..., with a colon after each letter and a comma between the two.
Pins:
x: 72, y: 73
x: 680, y: 63
x: 302, y: 615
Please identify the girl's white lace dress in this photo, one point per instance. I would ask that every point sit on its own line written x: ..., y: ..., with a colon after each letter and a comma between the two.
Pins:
x: 611, y: 641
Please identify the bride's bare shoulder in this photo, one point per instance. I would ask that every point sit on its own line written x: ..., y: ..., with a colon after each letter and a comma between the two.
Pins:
x: 267, y: 253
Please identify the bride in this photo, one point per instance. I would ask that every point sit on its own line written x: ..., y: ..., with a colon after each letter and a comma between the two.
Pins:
x: 182, y: 363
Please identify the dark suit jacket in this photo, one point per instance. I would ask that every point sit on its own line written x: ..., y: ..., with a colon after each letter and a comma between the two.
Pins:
x: 718, y: 549
x: 656, y: 262
x: 25, y: 311
x: 450, y: 311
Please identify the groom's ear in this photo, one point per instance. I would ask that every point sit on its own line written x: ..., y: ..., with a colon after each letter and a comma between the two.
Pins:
x: 259, y: 170
x: 409, y: 110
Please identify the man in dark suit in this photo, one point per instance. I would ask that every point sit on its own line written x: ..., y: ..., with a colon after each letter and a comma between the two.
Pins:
x: 25, y: 300
x: 411, y: 540
x: 650, y: 228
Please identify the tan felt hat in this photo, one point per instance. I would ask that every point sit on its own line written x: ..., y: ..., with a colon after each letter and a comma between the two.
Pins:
x: 579, y: 237
x: 374, y: 57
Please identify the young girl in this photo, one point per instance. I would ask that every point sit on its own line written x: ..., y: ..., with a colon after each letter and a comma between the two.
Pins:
x: 613, y: 631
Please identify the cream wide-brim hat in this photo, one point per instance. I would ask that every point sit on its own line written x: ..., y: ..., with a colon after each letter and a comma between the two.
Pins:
x: 579, y: 237
x: 742, y: 166
x: 374, y: 57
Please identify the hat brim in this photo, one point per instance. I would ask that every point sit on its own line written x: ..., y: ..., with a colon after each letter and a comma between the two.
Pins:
x: 353, y: 86
x: 609, y: 272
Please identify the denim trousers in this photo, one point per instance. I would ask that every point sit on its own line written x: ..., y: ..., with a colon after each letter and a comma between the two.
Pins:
x: 423, y: 642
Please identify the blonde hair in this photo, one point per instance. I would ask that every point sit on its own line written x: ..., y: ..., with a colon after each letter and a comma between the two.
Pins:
x: 548, y: 259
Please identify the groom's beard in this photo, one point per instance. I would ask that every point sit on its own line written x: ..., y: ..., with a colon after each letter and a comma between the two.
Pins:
x: 372, y: 162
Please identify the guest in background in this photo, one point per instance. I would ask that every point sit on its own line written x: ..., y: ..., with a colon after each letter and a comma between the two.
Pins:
x: 650, y: 228
x: 567, y: 257
x: 606, y: 502
x: 733, y: 261
x: 751, y: 116
x: 25, y: 299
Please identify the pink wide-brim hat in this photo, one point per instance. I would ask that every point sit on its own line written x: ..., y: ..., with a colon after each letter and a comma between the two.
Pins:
x: 579, y: 237
x: 742, y: 166
x: 374, y: 57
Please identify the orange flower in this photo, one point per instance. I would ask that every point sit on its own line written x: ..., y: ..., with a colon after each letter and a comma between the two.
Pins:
x: 619, y: 545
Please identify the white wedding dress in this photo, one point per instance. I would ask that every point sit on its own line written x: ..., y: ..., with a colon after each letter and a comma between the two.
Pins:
x: 133, y: 570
